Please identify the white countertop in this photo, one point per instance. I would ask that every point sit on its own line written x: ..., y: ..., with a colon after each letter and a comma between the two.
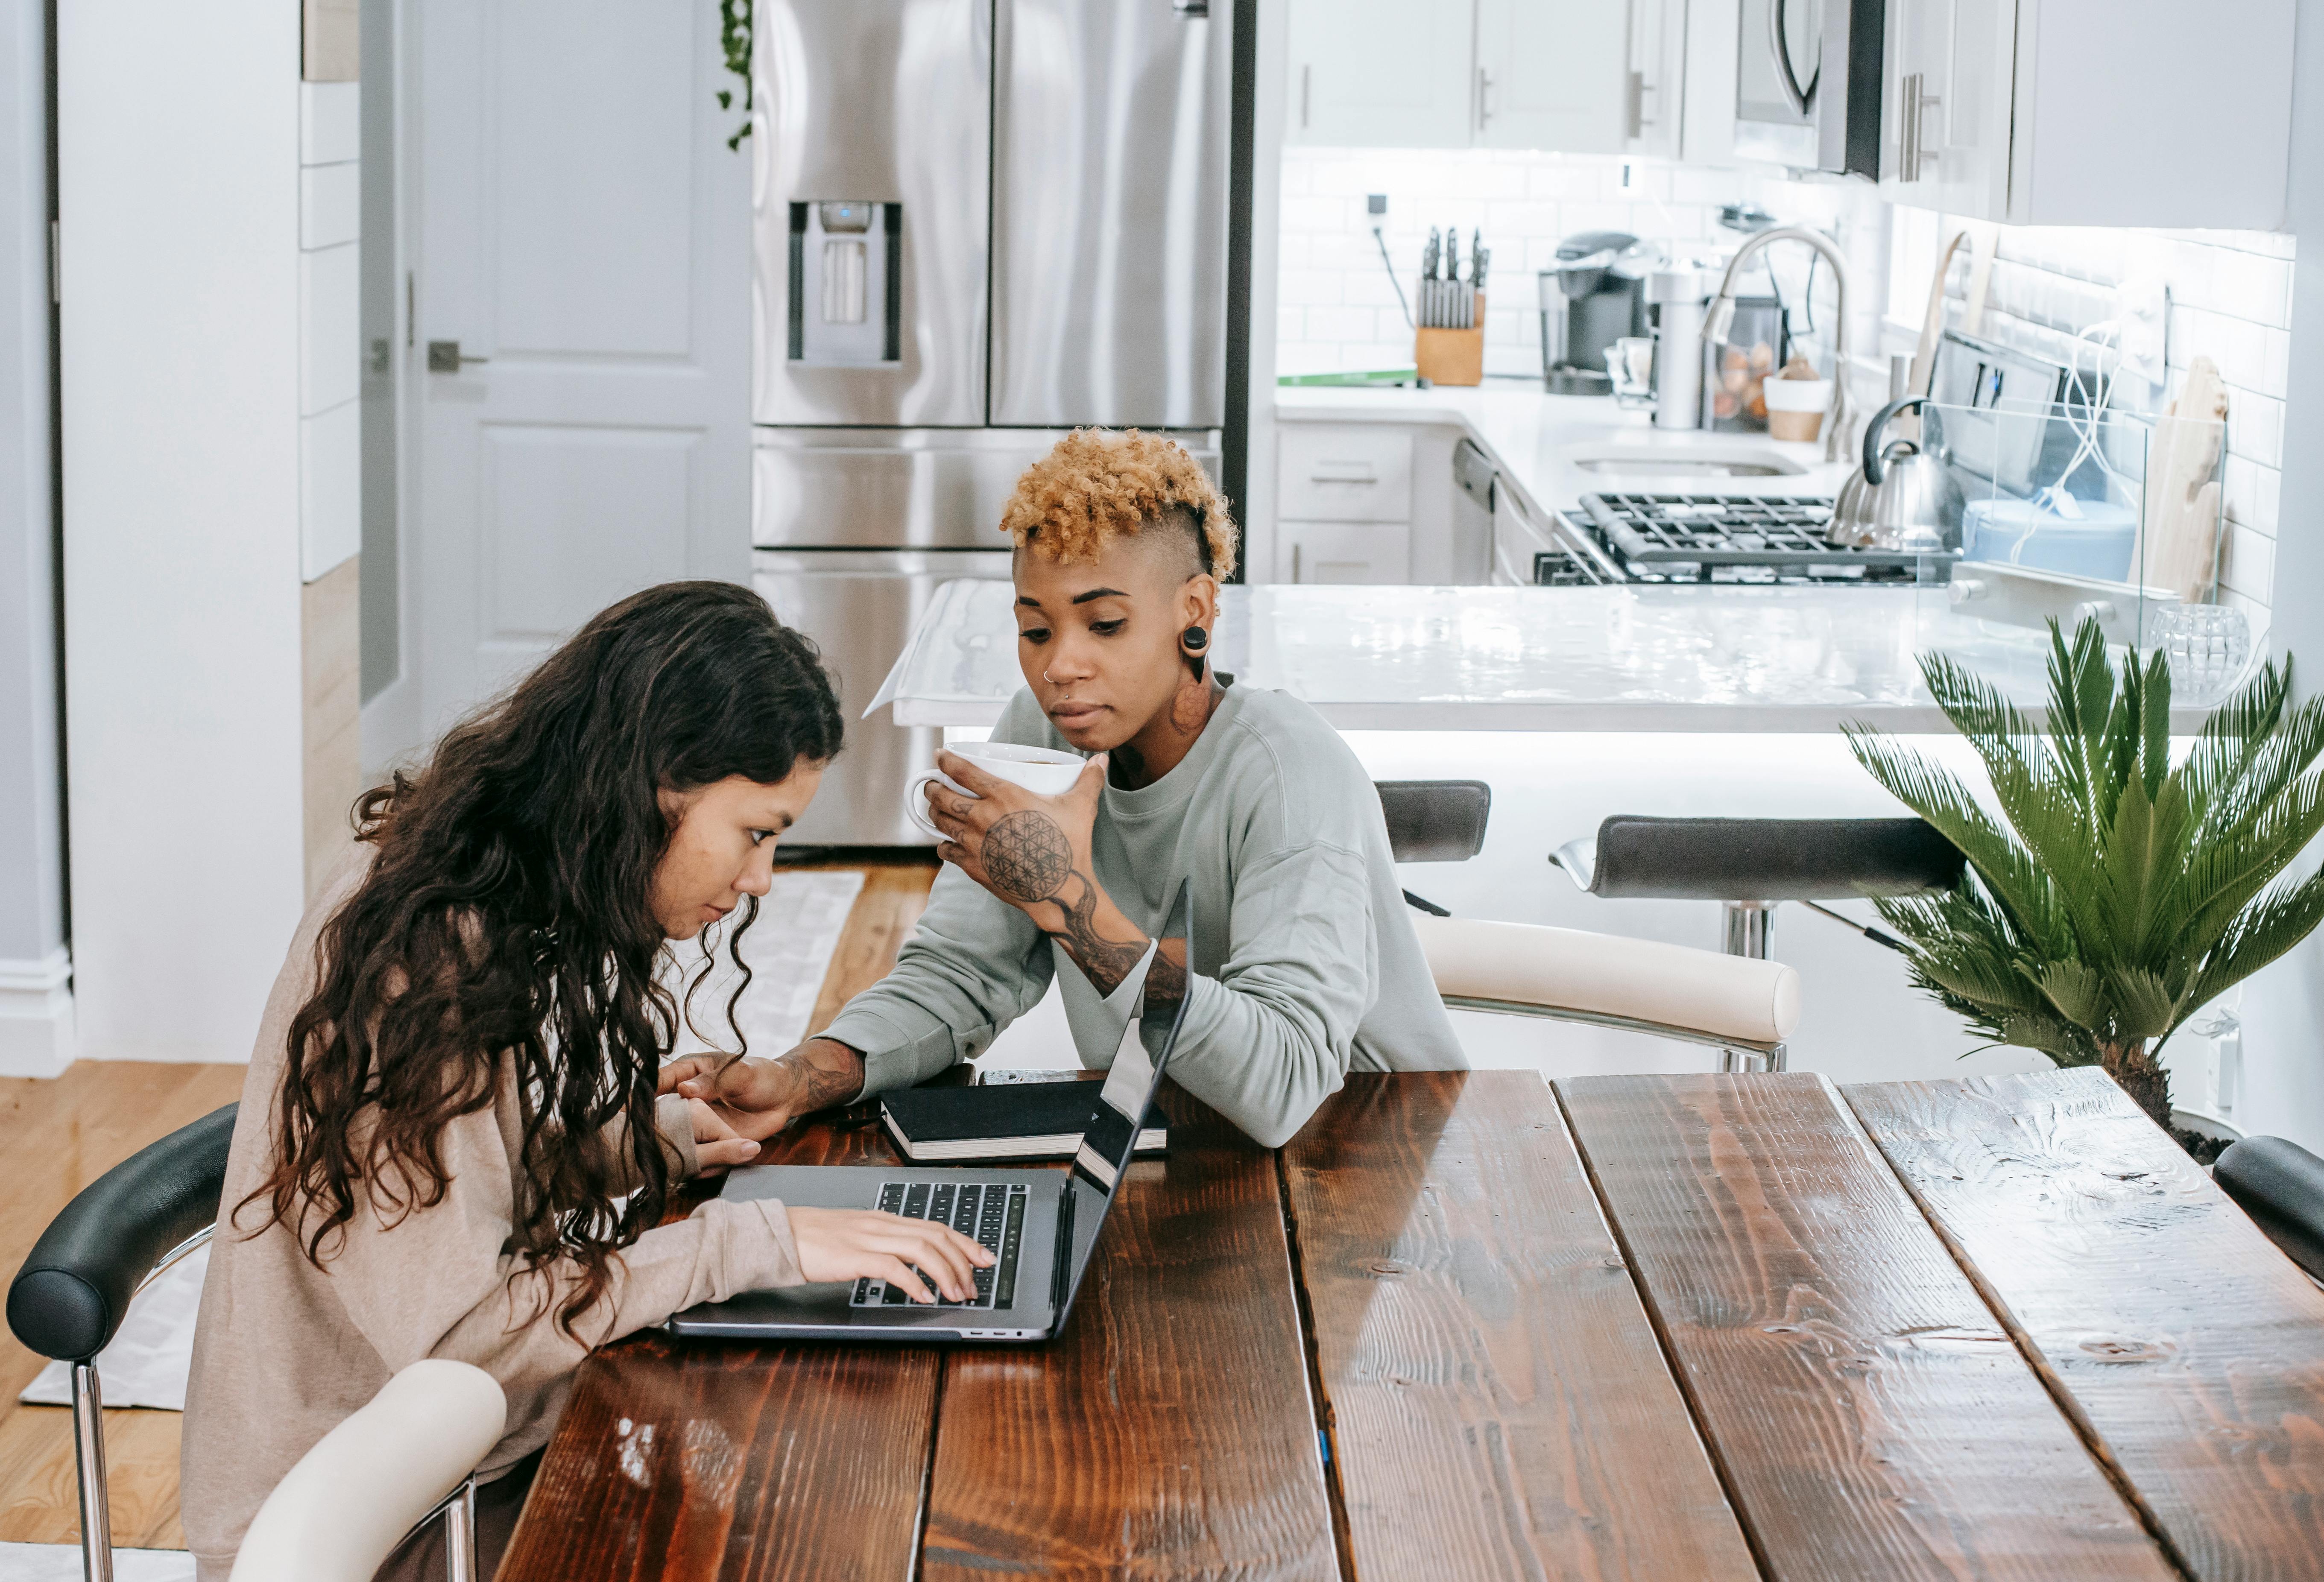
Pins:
x: 1536, y: 440
x: 1719, y: 660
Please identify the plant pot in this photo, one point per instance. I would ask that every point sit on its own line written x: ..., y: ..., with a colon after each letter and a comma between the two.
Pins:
x: 2204, y: 1137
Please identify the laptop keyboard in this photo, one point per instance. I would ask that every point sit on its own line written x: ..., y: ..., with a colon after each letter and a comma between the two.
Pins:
x: 992, y: 1213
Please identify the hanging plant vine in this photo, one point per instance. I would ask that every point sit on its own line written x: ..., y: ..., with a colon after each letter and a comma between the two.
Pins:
x: 735, y: 41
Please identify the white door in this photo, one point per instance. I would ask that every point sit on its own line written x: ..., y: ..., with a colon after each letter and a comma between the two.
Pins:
x: 580, y: 223
x: 1379, y: 73
x: 1553, y: 74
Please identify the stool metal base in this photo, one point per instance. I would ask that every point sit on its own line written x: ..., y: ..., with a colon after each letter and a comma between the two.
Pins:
x: 1750, y: 931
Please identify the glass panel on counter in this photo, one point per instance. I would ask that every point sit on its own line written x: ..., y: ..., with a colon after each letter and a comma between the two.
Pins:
x: 2058, y: 511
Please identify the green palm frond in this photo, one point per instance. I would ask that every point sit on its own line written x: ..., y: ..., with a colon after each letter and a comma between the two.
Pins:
x: 2123, y: 892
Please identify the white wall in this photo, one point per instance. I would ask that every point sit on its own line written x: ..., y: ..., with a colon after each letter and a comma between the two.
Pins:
x: 2283, y: 1006
x: 178, y: 183
x: 36, y: 999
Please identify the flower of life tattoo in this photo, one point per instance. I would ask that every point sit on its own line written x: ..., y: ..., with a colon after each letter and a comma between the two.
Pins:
x: 1026, y: 856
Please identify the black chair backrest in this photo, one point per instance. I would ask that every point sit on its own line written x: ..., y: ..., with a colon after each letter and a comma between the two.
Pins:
x: 73, y: 1291
x: 2280, y: 1185
x: 1771, y: 859
x: 1436, y: 820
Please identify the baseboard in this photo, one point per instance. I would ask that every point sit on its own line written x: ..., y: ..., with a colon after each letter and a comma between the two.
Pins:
x: 36, y: 1015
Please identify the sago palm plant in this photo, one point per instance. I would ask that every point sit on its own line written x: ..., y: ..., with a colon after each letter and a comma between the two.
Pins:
x: 2126, y: 891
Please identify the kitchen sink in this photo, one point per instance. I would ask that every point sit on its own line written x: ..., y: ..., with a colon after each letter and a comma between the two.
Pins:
x: 1691, y: 464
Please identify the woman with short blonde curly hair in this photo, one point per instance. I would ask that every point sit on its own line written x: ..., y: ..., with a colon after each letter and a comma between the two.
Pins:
x: 1302, y: 962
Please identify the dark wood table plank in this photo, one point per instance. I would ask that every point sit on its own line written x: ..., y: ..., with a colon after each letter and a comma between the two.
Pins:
x: 2191, y: 1348
x: 1870, y: 1416
x: 686, y: 1460
x: 1169, y: 1432
x: 1499, y: 1403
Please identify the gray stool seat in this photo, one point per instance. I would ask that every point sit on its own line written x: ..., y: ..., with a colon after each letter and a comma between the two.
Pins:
x: 1436, y: 820
x: 1761, y: 859
x: 2280, y: 1185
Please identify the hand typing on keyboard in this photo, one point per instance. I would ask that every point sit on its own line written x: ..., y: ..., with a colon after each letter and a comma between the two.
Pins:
x: 859, y: 1244
x: 992, y: 1212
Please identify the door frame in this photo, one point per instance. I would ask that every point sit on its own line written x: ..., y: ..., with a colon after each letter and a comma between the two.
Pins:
x: 393, y: 727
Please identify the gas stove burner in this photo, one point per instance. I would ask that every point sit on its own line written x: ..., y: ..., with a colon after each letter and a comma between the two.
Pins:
x: 1739, y: 538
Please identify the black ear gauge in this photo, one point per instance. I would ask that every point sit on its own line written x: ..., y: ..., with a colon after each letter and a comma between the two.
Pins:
x: 1192, y: 641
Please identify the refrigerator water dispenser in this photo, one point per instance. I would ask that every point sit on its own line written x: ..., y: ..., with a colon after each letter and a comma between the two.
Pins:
x: 847, y: 284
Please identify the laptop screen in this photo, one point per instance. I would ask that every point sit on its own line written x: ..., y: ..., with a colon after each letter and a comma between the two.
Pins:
x: 1129, y: 1089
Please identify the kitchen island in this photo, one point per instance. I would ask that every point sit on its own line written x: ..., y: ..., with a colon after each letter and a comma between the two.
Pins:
x: 1712, y: 658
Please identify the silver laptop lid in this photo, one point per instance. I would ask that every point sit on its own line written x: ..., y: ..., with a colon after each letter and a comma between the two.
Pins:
x: 1130, y: 1085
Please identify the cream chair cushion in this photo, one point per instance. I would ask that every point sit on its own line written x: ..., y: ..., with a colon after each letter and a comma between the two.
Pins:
x: 343, y: 1509
x: 1644, y: 980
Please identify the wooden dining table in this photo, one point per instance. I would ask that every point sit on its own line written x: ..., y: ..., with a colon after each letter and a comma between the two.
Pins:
x: 1478, y: 1325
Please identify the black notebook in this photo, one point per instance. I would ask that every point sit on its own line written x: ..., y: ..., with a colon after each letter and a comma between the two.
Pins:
x: 1013, y: 1120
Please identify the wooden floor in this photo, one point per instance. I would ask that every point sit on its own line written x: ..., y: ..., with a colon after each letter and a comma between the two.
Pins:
x: 57, y: 1135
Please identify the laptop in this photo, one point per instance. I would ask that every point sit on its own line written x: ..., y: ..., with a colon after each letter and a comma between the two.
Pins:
x: 1041, y: 1225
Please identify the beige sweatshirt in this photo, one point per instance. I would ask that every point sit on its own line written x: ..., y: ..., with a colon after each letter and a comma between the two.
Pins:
x: 284, y: 1351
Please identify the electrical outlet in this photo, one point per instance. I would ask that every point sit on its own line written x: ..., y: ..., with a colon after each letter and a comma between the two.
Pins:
x: 2142, y: 307
x: 1376, y: 205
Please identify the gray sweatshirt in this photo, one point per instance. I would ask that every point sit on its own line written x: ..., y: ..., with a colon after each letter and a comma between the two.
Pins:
x: 1305, y: 965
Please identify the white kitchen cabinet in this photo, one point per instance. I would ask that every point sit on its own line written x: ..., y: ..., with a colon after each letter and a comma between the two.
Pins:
x: 1553, y: 74
x: 1343, y: 552
x: 2090, y: 112
x: 1573, y: 76
x: 1345, y: 501
x: 1380, y: 73
x: 1655, y: 86
x: 1343, y: 471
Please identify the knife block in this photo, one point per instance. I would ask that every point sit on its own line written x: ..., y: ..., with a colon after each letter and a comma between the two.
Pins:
x: 1452, y: 356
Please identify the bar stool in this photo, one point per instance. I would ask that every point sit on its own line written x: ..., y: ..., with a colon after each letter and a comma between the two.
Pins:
x: 1747, y: 865
x: 1569, y: 975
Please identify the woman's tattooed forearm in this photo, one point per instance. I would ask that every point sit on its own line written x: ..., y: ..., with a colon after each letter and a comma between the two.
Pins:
x: 1028, y: 859
x: 1105, y: 962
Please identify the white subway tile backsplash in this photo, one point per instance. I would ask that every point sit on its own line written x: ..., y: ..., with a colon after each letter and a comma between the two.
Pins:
x: 1345, y: 324
x: 2248, y: 562
x: 1319, y: 214
x: 2239, y: 489
x: 1521, y: 219
x: 1305, y: 287
x: 1564, y: 183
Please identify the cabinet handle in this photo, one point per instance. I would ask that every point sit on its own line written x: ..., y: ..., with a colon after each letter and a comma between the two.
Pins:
x: 1484, y: 86
x: 1330, y: 472
x: 1306, y: 73
x: 1637, y: 108
x: 1295, y: 560
x: 1913, y: 152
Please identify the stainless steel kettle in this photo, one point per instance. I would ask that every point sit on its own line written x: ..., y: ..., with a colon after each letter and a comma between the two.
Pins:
x: 1902, y: 499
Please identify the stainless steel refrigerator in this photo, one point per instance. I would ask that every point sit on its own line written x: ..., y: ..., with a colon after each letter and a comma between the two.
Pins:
x: 979, y: 224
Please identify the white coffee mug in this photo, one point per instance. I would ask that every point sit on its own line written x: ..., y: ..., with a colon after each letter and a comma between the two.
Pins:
x: 1038, y: 769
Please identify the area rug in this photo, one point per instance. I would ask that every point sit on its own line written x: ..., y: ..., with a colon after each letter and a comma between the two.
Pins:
x: 788, y: 951
x: 60, y: 1562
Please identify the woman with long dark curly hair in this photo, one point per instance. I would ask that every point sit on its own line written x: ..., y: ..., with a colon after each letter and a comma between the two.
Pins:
x: 451, y: 1142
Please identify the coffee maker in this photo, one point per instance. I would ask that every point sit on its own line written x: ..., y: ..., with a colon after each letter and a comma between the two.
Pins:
x: 1592, y: 296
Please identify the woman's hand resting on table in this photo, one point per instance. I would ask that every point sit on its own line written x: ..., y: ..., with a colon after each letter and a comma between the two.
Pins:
x: 855, y: 1244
